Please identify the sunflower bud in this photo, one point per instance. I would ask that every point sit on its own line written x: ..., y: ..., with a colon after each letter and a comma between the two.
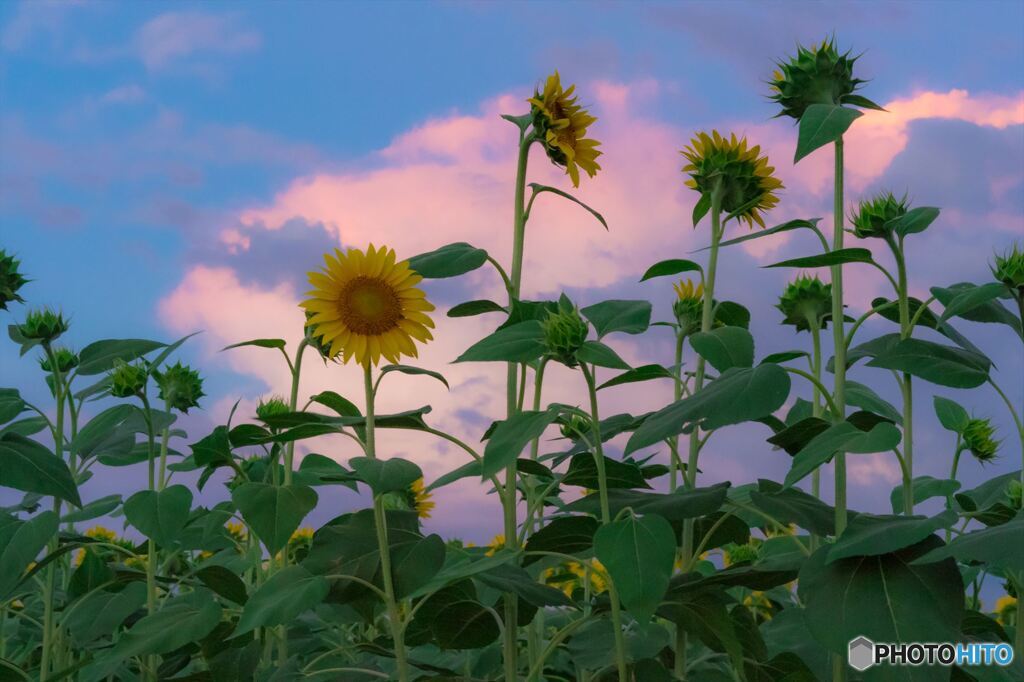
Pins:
x: 10, y: 280
x: 819, y: 75
x: 272, y: 407
x: 577, y: 426
x: 688, y: 306
x: 978, y: 439
x: 874, y: 216
x: 1009, y: 269
x: 564, y: 333
x: 806, y: 301
x: 127, y: 380
x: 66, y: 359
x: 180, y: 386
x: 43, y: 325
x: 736, y: 554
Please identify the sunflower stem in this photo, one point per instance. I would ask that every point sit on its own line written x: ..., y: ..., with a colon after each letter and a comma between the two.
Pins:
x: 816, y: 408
x: 293, y: 403
x: 49, y: 628
x: 839, y: 339
x: 906, y: 386
x: 380, y: 521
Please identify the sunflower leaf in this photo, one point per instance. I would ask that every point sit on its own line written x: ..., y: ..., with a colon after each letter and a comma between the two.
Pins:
x: 539, y: 189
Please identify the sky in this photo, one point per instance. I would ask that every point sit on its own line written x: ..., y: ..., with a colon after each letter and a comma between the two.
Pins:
x: 167, y: 168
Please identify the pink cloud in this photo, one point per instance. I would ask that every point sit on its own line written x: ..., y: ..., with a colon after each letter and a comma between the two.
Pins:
x: 175, y: 35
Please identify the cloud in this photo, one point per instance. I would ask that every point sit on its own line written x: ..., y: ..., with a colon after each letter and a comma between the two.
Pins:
x: 35, y: 19
x: 174, y: 36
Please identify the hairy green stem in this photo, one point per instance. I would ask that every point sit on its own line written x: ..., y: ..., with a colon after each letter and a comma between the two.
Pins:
x: 906, y: 386
x: 49, y: 588
x: 380, y: 522
x: 293, y: 403
x: 677, y: 392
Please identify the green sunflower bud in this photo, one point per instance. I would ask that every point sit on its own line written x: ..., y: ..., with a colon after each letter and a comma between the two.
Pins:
x: 874, y: 216
x: 819, y: 75
x: 272, y: 407
x: 127, y: 380
x: 180, y: 386
x: 577, y: 426
x: 736, y: 554
x: 66, y: 359
x: 1014, y: 493
x: 978, y: 439
x: 1009, y: 269
x: 688, y: 306
x: 10, y: 280
x: 564, y: 332
x: 43, y: 325
x: 806, y: 300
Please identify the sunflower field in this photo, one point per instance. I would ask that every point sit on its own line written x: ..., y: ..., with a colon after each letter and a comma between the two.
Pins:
x: 615, y: 560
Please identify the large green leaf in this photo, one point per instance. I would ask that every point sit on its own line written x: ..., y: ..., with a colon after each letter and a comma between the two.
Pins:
x: 885, y: 598
x: 675, y: 506
x: 864, y: 397
x: 841, y: 437
x: 951, y: 414
x: 274, y: 512
x: 11, y: 404
x: 94, y: 509
x: 159, y: 515
x: 511, y: 436
x: 629, y: 317
x: 415, y: 371
x: 451, y: 260
x: 179, y: 621
x: 28, y: 466
x: 464, y: 624
x: 924, y: 488
x: 282, y: 598
x: 472, y: 308
x: 386, y: 475
x: 821, y: 124
x: 704, y: 614
x: 638, y: 553
x: 991, y: 498
x: 673, y: 266
x: 597, y: 353
x: 784, y: 227
x: 791, y: 505
x: 521, y: 342
x: 415, y: 560
x: 837, y: 257
x: 725, y: 347
x: 511, y: 578
x: 939, y: 364
x: 565, y: 534
x: 637, y: 374
x: 999, y: 546
x: 583, y: 472
x: 871, y: 535
x: 739, y: 394
x: 101, y: 356
x: 105, y: 430
x: 101, y: 612
x: 20, y: 544
x: 913, y: 221
x: 967, y: 300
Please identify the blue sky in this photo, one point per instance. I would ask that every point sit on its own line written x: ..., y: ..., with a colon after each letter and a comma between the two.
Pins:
x: 139, y: 142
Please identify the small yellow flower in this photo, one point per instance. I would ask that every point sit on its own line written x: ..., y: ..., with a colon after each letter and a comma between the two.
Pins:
x: 137, y: 562
x: 422, y: 502
x: 561, y: 125
x: 742, y: 178
x: 366, y: 305
x: 759, y: 604
x: 495, y: 544
x: 237, y: 530
x: 99, y: 533
x: 301, y: 535
x: 1006, y: 610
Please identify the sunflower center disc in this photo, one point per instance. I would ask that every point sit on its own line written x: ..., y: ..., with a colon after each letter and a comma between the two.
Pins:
x: 369, y: 306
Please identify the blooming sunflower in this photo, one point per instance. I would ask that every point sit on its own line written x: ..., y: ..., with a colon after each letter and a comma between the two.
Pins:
x: 366, y: 305
x: 561, y: 125
x: 742, y: 178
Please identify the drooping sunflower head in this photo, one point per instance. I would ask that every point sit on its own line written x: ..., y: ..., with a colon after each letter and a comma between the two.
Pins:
x: 1008, y: 268
x: 10, y: 280
x: 367, y: 306
x: 979, y: 439
x: 560, y: 123
x: 415, y: 497
x: 742, y: 178
x: 874, y: 217
x: 689, y: 305
x: 806, y: 299
x: 180, y: 385
x: 816, y: 75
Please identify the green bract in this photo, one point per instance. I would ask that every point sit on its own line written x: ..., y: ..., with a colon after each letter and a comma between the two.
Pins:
x: 180, y: 386
x: 128, y: 379
x: 43, y: 325
x: 564, y: 332
x: 1008, y: 268
x: 806, y: 301
x: 816, y: 75
x: 66, y: 359
x: 874, y: 217
x: 979, y: 441
x: 271, y: 407
x: 11, y: 280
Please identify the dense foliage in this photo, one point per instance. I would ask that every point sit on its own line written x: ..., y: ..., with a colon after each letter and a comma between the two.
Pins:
x: 648, y: 575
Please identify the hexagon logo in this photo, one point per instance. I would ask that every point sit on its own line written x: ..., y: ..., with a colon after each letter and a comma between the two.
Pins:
x: 861, y: 655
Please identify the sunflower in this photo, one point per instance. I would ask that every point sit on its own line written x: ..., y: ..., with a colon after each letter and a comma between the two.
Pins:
x: 561, y: 125
x: 816, y: 75
x: 421, y: 498
x: 495, y: 545
x: 366, y: 305
x: 742, y: 178
x: 1006, y: 610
